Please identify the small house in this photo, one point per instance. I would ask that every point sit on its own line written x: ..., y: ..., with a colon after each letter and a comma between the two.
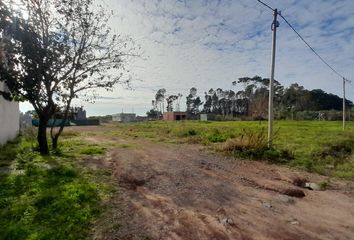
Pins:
x: 174, y: 116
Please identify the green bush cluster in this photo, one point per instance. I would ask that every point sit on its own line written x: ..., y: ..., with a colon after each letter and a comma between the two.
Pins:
x: 269, y: 154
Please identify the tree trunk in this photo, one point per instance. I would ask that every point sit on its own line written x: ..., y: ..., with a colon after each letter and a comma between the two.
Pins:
x: 55, y: 141
x: 42, y: 136
x: 61, y: 128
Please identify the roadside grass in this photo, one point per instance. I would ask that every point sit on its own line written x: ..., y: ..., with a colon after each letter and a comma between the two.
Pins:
x: 56, y: 197
x: 126, y: 145
x: 317, y: 146
x: 49, y: 197
x: 92, y: 150
x: 75, y: 148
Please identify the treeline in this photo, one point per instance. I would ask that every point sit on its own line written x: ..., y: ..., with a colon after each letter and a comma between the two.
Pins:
x: 251, y: 102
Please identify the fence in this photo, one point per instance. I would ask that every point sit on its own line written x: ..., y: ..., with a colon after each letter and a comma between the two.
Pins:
x: 58, y: 122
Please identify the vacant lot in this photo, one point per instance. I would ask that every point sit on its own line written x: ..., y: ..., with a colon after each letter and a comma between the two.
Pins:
x: 315, y: 146
x: 178, y: 181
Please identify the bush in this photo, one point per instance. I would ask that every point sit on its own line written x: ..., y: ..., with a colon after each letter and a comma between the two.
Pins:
x: 253, y: 144
x: 192, y: 132
x: 335, y: 159
x: 217, y: 136
x: 185, y: 132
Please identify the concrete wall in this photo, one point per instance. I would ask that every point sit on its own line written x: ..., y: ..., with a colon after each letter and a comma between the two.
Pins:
x: 124, y: 117
x: 168, y: 116
x: 9, y: 118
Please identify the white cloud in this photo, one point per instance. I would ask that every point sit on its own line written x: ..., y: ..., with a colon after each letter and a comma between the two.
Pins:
x: 210, y: 43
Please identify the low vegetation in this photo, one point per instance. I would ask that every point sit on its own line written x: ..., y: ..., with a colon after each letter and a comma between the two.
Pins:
x: 49, y: 197
x: 57, y: 197
x: 317, y: 146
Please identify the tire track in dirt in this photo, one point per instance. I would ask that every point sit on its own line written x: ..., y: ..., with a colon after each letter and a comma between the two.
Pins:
x: 187, y: 192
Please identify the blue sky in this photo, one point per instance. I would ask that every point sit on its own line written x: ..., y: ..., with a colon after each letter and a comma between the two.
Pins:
x: 210, y: 43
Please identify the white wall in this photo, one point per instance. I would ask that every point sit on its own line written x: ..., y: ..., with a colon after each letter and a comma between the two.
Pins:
x: 9, y: 118
x: 124, y: 117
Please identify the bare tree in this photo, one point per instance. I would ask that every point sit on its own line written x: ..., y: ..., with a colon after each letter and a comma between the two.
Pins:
x: 56, y: 50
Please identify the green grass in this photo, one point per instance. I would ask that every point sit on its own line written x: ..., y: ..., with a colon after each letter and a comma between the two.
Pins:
x: 53, y: 197
x: 92, y: 150
x: 75, y: 148
x: 48, y: 197
x: 304, y: 143
x: 125, y: 145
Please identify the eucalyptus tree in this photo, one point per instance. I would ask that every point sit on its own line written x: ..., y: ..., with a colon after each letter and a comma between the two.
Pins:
x: 170, y: 100
x: 193, y: 102
x: 178, y: 104
x: 160, y: 98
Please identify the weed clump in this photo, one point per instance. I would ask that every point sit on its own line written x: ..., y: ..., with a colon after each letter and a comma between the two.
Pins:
x: 92, y: 150
x: 187, y: 132
x: 253, y: 144
x: 217, y: 136
x: 334, y: 160
x: 192, y: 132
x: 337, y: 153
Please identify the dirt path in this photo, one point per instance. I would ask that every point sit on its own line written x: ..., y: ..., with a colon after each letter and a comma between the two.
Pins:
x: 187, y: 192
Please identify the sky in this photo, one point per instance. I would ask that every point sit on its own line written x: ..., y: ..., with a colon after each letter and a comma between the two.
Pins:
x: 211, y: 43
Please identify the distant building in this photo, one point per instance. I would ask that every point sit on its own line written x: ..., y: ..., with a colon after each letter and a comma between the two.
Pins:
x: 9, y: 118
x: 80, y: 114
x: 124, y: 117
x: 25, y: 120
x: 174, y: 116
x: 207, y: 117
x: 142, y: 119
x: 203, y: 117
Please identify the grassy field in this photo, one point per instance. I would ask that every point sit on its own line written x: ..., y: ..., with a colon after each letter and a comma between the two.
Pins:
x: 49, y: 197
x: 317, y: 146
x: 56, y: 197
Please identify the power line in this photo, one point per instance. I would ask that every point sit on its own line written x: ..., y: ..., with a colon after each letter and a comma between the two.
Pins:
x: 311, y: 48
x: 264, y: 4
x: 307, y: 44
x: 270, y: 105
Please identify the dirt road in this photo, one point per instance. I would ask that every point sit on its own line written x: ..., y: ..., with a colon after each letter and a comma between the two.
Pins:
x: 187, y: 192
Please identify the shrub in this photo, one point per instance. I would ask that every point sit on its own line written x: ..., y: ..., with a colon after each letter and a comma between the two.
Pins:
x: 217, y: 136
x: 253, y: 144
x: 185, y: 132
x: 192, y: 132
x: 249, y: 139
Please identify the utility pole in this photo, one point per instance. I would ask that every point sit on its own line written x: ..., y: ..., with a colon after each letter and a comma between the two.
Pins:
x: 275, y: 24
x: 344, y: 103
